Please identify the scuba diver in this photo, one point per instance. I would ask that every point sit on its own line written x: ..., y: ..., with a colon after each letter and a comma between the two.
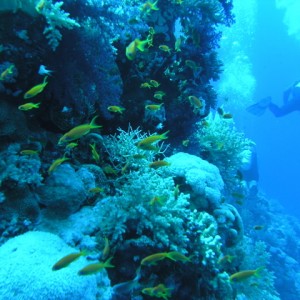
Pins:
x: 291, y: 103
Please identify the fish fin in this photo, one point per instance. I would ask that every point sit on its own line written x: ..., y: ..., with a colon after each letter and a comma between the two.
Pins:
x: 258, y: 270
x: 108, y: 264
x: 93, y: 123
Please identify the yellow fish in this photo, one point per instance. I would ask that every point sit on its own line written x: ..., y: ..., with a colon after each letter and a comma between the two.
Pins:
x: 159, y: 95
x: 78, y: 131
x: 227, y: 258
x: 146, y: 85
x: 66, y: 260
x: 176, y: 191
x: 95, y: 154
x: 149, y: 147
x: 148, y: 6
x: 178, y: 44
x: 195, y: 101
x: 185, y: 143
x: 116, y: 109
x: 153, y: 107
x: 158, y: 200
x: 95, y: 268
x: 191, y: 64
x: 36, y: 89
x: 106, y: 249
x: 159, y: 163
x: 242, y: 275
x: 159, y: 291
x: 7, y: 72
x: 109, y: 170
x: 56, y: 163
x: 154, y: 83
x: 29, y: 106
x: 96, y: 190
x: 135, y: 45
x: 40, y: 6
x: 151, y: 139
x: 165, y: 48
x: 152, y: 259
x: 29, y: 152
x: 71, y: 145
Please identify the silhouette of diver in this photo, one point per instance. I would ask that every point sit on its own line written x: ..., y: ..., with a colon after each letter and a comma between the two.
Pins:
x: 291, y: 103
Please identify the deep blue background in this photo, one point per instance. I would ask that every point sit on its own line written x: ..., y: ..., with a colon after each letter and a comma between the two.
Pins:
x: 276, y: 63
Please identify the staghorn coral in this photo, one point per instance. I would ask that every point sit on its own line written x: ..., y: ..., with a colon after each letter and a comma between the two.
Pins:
x: 56, y: 17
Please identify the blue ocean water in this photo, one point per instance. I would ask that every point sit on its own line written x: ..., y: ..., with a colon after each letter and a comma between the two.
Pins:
x: 276, y: 65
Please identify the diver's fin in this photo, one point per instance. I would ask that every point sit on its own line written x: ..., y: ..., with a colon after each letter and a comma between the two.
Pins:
x: 260, y: 107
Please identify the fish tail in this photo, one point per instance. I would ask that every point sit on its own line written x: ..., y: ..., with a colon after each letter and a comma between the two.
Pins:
x: 164, y: 135
x: 45, y: 80
x: 257, y: 271
x: 107, y: 263
x: 93, y: 123
x: 141, y: 45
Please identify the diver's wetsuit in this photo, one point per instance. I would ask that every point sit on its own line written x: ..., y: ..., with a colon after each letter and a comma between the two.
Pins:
x: 291, y: 101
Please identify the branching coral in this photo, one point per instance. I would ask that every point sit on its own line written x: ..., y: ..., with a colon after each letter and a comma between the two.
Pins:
x: 122, y: 149
x: 56, y: 17
x: 223, y: 145
x: 254, y: 255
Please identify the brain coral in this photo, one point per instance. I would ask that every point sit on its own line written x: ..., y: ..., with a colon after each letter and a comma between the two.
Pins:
x: 26, y: 270
x: 203, y: 178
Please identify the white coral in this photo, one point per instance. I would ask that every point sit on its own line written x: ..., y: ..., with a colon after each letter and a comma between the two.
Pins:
x: 203, y: 177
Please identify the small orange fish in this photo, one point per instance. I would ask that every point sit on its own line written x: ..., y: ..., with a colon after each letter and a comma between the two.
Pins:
x: 196, y: 102
x: 159, y: 163
x: 96, y: 267
x: 66, y: 260
x: 242, y: 275
x: 158, y: 200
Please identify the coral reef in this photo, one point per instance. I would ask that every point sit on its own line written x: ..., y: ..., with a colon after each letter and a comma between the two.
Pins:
x: 220, y: 143
x: 144, y: 181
